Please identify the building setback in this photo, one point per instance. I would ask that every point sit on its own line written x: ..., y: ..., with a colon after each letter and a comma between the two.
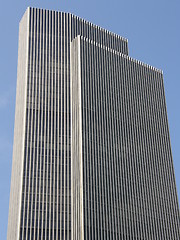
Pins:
x: 91, y: 156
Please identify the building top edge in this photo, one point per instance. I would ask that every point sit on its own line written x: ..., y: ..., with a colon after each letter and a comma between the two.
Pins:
x: 82, y: 19
x: 119, y: 53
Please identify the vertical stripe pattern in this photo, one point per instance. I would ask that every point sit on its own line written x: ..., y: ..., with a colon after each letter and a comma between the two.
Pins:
x: 44, y: 181
x: 91, y: 155
x: 128, y: 189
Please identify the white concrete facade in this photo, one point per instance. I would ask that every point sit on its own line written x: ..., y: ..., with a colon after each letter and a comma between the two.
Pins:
x: 91, y: 155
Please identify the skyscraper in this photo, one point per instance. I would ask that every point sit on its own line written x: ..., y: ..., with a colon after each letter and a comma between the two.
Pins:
x: 92, y: 156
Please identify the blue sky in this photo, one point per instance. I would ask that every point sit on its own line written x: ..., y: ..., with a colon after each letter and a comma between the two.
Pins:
x: 152, y: 28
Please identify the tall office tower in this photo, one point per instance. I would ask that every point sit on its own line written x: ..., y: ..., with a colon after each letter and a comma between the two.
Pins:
x: 92, y: 156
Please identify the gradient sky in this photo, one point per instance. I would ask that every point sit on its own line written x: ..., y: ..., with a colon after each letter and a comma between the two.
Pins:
x: 153, y: 30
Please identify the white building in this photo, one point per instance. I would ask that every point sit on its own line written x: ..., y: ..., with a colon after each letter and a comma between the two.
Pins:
x: 92, y: 156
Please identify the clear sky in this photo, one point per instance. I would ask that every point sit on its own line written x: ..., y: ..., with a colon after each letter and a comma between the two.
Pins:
x: 152, y: 28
